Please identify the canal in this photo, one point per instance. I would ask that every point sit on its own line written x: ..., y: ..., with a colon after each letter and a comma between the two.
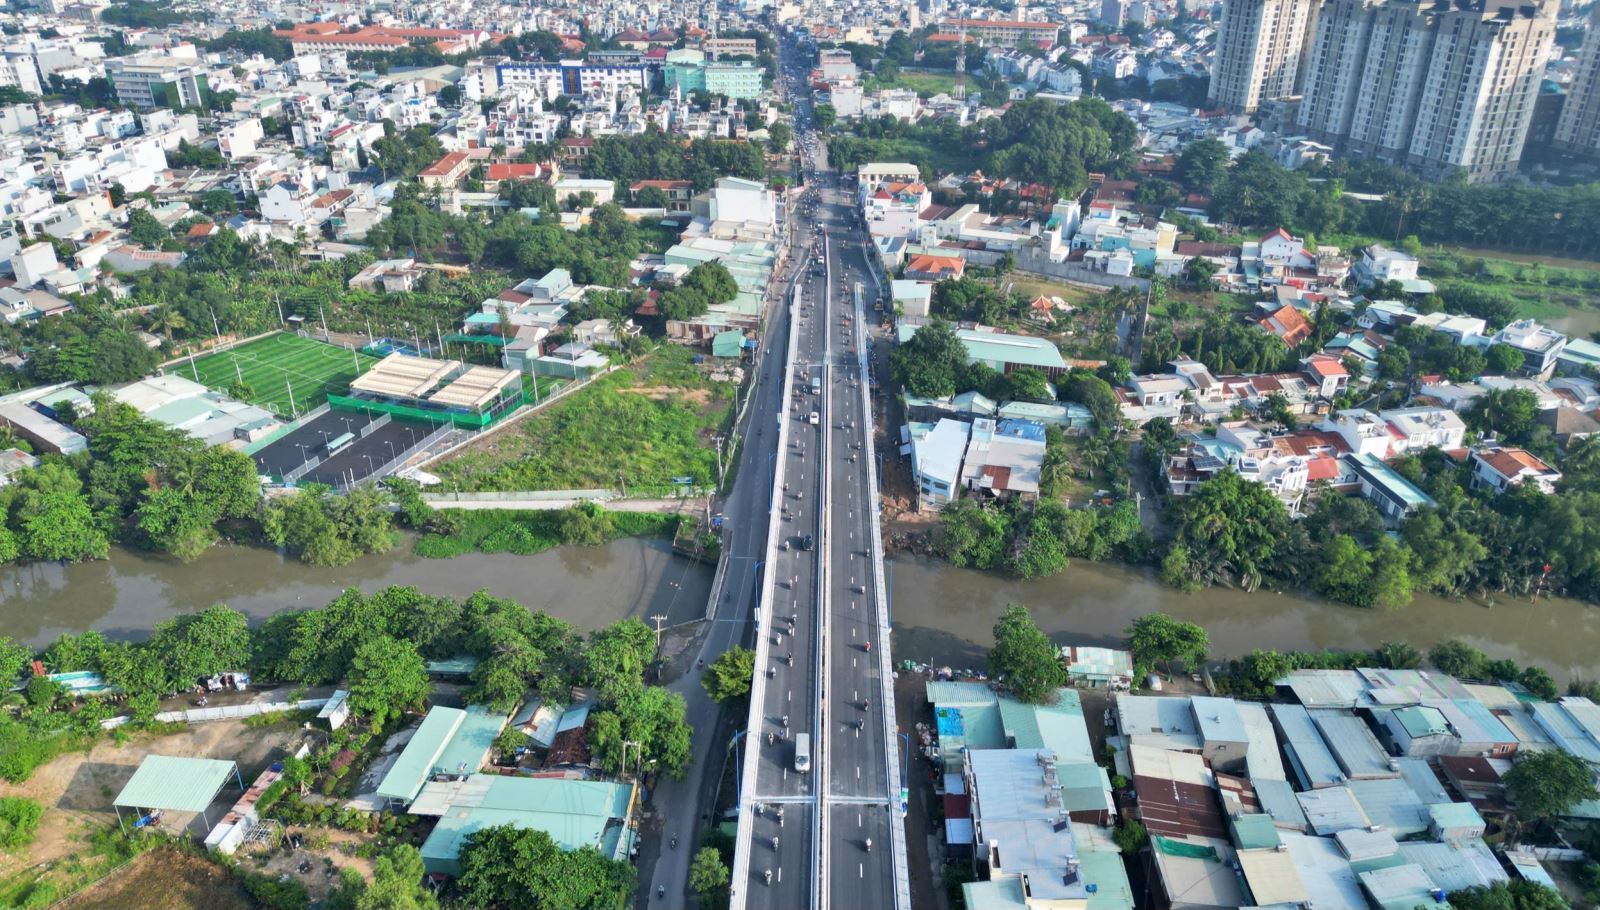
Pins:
x: 130, y: 593
x: 941, y: 614
x: 944, y: 615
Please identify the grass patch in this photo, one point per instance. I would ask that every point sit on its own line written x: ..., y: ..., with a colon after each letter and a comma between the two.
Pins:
x: 1034, y: 287
x: 524, y: 533
x: 926, y: 83
x: 276, y: 365
x: 638, y: 428
x: 104, y: 851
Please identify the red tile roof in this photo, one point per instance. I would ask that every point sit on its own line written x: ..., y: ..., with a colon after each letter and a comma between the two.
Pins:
x: 1289, y: 324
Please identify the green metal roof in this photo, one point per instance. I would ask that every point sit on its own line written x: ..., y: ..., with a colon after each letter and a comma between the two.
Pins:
x: 727, y: 344
x: 1001, y: 894
x: 471, y: 743
x: 1421, y: 720
x: 1455, y: 815
x: 175, y: 783
x: 575, y: 813
x: 1255, y: 832
x: 417, y: 761
x: 1105, y: 870
x: 1001, y: 348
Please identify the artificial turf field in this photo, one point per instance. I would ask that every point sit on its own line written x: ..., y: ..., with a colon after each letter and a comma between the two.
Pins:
x: 274, y: 365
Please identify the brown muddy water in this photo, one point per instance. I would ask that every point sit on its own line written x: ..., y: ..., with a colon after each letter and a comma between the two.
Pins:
x: 942, y: 614
x: 945, y: 615
x: 126, y: 595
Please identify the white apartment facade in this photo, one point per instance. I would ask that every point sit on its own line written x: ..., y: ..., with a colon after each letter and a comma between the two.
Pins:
x: 1260, y: 44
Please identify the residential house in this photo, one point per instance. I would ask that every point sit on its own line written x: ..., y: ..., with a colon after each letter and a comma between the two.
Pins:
x: 936, y: 462
x: 1289, y: 324
x: 1395, y: 497
x: 1540, y: 346
x: 1501, y: 467
x: 923, y: 267
x: 1327, y: 374
x: 1379, y: 263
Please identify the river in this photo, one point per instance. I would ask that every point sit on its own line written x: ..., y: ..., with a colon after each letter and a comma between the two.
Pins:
x: 945, y: 615
x: 128, y: 594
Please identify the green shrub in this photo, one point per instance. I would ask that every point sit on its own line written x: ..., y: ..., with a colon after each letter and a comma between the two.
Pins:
x: 19, y: 821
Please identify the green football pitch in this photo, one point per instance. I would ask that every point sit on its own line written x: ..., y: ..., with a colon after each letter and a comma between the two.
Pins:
x: 276, y: 367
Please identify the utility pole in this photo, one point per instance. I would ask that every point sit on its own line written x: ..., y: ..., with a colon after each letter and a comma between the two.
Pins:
x: 658, y: 619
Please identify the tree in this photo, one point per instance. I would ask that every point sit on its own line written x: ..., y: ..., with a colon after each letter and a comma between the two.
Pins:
x: 729, y: 676
x: 524, y: 868
x: 1130, y: 837
x: 1397, y: 655
x: 928, y: 363
x: 653, y: 717
x: 215, y: 640
x: 1510, y: 414
x: 1024, y: 658
x: 387, y: 676
x: 327, y: 530
x: 144, y: 229
x: 1344, y: 571
x: 1158, y: 638
x: 1516, y: 895
x: 1029, y: 384
x: 1502, y: 359
x: 708, y: 876
x: 1231, y: 527
x: 713, y: 281
x: 1546, y: 783
x: 51, y: 517
x: 1457, y: 658
x: 14, y: 658
x: 652, y: 197
x: 617, y: 657
x: 779, y: 135
x: 397, y: 882
x: 1539, y: 681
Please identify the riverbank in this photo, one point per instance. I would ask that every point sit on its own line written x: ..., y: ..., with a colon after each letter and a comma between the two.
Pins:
x: 944, y: 615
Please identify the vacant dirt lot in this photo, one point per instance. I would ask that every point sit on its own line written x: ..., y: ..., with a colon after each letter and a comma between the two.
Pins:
x: 77, y: 789
x: 163, y: 880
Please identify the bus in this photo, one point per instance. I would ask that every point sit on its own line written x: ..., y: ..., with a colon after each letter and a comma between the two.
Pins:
x: 802, y: 752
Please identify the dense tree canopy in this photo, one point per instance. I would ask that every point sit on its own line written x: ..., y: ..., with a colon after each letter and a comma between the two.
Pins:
x: 523, y: 869
x: 1023, y: 657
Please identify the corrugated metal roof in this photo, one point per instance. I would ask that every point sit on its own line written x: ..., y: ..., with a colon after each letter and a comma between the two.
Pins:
x: 575, y: 813
x: 470, y: 745
x: 1313, y: 763
x: 1354, y: 747
x: 416, y: 762
x: 1332, y: 809
x: 175, y: 783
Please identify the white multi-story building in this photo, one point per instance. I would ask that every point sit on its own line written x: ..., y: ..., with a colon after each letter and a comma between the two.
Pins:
x: 1259, y: 48
x: 1436, y: 88
x: 159, y: 80
x: 1483, y: 79
x: 1578, y: 131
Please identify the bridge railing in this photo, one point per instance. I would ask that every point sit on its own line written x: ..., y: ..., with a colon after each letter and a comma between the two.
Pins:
x: 891, y: 745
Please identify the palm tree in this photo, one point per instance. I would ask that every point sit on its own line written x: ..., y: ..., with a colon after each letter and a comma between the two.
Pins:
x: 166, y: 319
x: 1095, y: 453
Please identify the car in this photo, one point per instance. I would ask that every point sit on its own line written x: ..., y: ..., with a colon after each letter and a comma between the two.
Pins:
x: 806, y: 542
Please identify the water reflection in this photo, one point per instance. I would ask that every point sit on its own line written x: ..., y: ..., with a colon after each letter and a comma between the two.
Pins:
x: 946, y: 615
x: 129, y: 593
